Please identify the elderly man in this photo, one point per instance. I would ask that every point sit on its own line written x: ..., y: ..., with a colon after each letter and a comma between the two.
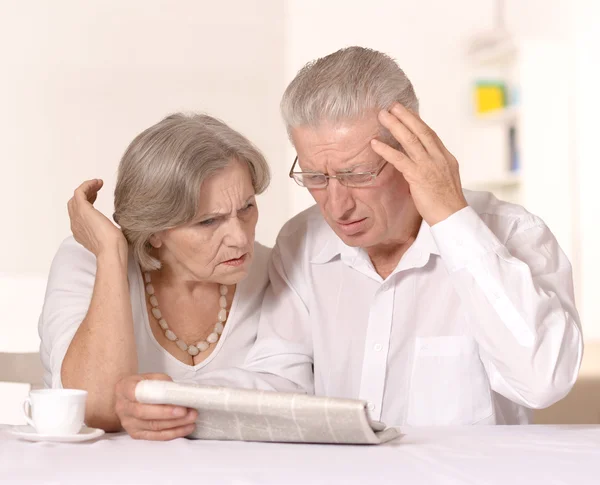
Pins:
x: 437, y: 306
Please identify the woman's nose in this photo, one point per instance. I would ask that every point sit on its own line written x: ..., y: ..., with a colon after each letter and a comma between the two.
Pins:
x: 236, y: 233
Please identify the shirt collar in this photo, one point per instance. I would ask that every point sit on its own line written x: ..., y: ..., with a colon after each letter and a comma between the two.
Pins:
x: 332, y: 248
x: 421, y: 249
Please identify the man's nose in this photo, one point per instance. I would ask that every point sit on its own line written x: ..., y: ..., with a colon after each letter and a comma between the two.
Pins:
x: 339, y: 199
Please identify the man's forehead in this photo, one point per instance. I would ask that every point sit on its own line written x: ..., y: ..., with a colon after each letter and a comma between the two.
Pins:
x: 339, y: 145
x: 328, y: 133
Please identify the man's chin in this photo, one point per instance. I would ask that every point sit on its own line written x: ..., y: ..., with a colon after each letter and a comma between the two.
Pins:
x: 359, y: 240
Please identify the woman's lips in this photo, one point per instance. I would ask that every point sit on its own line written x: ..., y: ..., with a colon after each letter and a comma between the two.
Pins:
x: 236, y: 261
x: 352, y: 227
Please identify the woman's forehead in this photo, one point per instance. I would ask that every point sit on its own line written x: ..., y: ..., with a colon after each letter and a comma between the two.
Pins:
x: 226, y: 189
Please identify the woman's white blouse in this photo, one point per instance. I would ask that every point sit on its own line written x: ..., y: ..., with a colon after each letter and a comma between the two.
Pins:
x: 68, y: 296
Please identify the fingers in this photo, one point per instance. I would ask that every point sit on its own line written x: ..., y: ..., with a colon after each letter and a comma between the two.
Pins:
x: 151, y: 421
x: 402, y: 163
x: 155, y: 428
x: 417, y: 138
x: 89, y: 186
x: 158, y: 412
x: 88, y: 190
x: 126, y: 386
x: 157, y: 417
x: 407, y: 139
x: 166, y: 435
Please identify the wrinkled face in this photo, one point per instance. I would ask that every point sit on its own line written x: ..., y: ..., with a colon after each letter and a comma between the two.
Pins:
x: 217, y: 246
x: 361, y: 216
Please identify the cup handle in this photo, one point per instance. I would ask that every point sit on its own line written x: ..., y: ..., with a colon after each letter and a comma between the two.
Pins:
x: 27, y: 412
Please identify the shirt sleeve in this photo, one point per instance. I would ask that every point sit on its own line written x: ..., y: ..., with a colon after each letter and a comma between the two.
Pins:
x: 520, y: 299
x: 68, y: 296
x: 282, y: 356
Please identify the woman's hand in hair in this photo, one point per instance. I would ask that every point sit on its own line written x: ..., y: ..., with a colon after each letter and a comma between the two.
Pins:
x: 92, y: 229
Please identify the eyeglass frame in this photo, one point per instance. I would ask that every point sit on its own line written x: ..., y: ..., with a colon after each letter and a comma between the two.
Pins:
x: 373, y: 175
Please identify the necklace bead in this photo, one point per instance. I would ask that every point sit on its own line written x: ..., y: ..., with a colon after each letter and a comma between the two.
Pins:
x: 201, y: 346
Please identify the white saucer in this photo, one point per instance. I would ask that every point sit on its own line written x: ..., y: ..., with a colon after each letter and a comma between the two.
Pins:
x: 28, y: 433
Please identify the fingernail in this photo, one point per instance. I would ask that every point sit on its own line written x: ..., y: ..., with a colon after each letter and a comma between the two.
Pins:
x: 375, y: 142
x: 179, y: 412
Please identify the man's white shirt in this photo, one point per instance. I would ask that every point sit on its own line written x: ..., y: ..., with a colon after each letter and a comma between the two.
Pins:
x: 477, y: 323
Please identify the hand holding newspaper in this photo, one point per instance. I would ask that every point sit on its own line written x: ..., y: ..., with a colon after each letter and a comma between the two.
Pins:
x: 253, y: 415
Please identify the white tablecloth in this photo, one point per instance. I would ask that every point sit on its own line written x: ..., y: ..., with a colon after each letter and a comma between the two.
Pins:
x: 478, y: 455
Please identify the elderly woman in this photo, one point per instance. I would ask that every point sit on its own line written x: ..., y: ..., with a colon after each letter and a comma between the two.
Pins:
x: 176, y: 290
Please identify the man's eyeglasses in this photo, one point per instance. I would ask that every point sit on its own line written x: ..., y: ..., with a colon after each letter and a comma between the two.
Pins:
x: 318, y: 180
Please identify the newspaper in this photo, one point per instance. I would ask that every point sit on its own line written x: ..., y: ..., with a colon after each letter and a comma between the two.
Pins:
x: 254, y: 415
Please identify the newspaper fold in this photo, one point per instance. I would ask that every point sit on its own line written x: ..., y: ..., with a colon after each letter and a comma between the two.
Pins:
x: 254, y: 415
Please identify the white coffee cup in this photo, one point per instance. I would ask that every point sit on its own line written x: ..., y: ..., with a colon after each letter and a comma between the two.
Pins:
x: 56, y: 412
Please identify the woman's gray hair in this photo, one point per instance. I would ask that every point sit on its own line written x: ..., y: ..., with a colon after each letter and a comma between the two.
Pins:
x: 162, y: 171
x: 344, y: 86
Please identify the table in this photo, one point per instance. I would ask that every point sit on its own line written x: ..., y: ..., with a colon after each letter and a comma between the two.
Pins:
x: 477, y: 455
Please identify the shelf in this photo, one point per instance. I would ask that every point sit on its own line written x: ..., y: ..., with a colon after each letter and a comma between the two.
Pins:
x: 508, y: 115
x: 492, y: 50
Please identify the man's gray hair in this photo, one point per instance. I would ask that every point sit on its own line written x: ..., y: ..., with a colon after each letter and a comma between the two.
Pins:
x: 345, y: 85
x: 161, y: 174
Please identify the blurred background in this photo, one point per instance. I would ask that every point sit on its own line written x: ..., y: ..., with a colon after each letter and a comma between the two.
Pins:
x: 511, y: 87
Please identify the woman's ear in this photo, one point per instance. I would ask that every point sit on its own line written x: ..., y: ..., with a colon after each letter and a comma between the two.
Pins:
x: 155, y: 241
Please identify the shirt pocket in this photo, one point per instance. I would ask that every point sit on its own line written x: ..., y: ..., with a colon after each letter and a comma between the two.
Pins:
x: 449, y: 385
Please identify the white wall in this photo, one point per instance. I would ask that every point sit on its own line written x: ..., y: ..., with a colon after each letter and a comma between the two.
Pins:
x: 81, y: 79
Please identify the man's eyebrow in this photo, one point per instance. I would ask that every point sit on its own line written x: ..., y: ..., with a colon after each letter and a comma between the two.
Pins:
x: 347, y: 169
x: 360, y: 164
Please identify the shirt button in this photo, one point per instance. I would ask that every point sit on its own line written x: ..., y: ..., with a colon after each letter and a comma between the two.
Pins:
x: 370, y: 406
x: 377, y: 347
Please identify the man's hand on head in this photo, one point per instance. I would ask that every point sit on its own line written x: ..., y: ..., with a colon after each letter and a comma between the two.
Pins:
x: 429, y: 168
